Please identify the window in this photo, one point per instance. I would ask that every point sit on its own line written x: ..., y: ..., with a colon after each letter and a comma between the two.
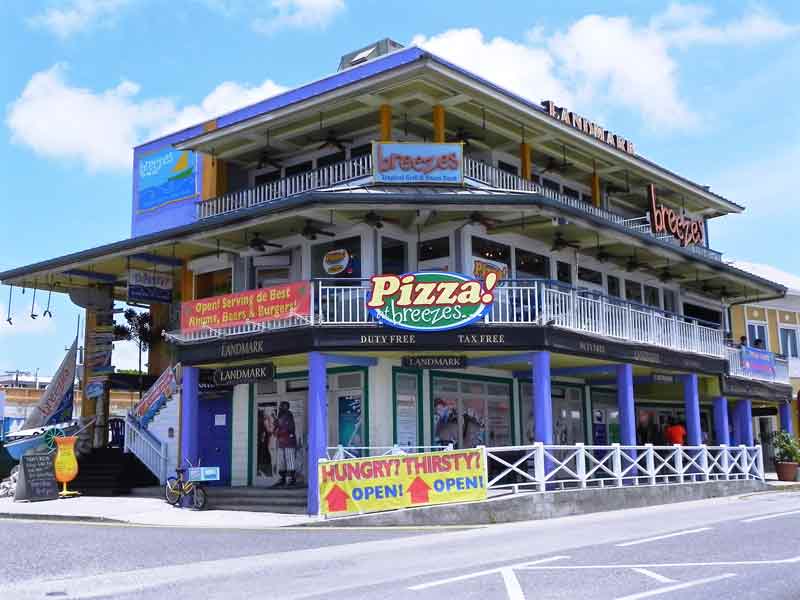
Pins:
x: 434, y: 254
x: 324, y: 161
x: 338, y: 259
x: 571, y: 193
x: 267, y: 177
x: 670, y: 301
x: 302, y: 167
x: 394, y: 256
x: 213, y: 283
x: 362, y: 150
x: 789, y: 342
x: 613, y: 286
x: 504, y: 166
x: 531, y: 265
x: 756, y: 332
x: 406, y: 387
x: 590, y: 276
x: 651, y: 296
x: 702, y: 313
x: 564, y: 272
x: 468, y: 413
x: 483, y: 248
x: 633, y: 291
x: 551, y: 185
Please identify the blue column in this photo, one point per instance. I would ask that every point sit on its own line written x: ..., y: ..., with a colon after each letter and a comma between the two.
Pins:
x: 721, y: 431
x: 542, y: 398
x: 317, y: 425
x: 625, y: 403
x: 786, y: 418
x: 743, y: 423
x: 691, y: 398
x: 190, y: 409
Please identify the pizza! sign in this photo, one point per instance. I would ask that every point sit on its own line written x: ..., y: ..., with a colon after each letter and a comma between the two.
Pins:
x: 430, y: 301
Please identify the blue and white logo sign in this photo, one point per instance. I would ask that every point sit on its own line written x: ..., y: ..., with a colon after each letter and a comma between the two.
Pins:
x: 149, y: 286
x: 396, y: 162
x: 165, y: 175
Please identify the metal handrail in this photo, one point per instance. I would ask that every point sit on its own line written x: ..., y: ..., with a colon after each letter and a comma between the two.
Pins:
x: 736, y: 368
x: 152, y: 452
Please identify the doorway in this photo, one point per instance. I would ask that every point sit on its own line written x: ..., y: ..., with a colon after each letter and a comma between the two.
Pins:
x: 266, y: 446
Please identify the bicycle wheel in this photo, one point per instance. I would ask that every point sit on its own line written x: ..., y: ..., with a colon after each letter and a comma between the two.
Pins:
x: 200, y: 498
x: 172, y: 491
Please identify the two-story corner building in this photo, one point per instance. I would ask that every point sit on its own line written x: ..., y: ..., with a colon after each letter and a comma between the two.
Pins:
x: 600, y: 312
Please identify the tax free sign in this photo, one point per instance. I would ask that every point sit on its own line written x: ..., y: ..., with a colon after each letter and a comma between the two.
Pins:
x: 430, y: 300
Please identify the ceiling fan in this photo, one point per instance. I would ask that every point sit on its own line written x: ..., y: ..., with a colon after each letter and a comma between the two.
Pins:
x: 464, y: 136
x: 559, y: 243
x: 267, y: 156
x: 558, y: 166
x: 259, y: 244
x: 633, y: 264
x: 375, y: 220
x: 311, y: 231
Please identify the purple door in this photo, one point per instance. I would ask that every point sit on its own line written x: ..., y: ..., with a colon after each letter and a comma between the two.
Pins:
x: 215, y: 432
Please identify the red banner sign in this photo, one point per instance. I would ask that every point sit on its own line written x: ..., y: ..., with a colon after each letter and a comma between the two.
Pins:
x: 267, y: 304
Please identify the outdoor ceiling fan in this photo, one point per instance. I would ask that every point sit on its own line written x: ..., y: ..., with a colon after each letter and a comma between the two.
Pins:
x: 259, y: 244
x: 559, y: 243
x: 558, y: 166
x: 329, y: 137
x: 267, y: 156
x: 375, y: 220
x: 311, y: 231
x: 633, y: 263
x: 464, y: 136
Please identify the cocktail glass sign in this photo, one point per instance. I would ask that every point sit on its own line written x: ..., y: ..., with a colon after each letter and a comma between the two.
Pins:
x: 430, y: 301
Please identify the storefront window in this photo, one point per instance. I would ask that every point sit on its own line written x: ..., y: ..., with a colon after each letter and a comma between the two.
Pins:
x: 633, y: 291
x: 567, y: 414
x: 564, y: 272
x: 605, y: 418
x: 483, y: 248
x: 337, y: 259
x: 531, y: 265
x: 434, y: 254
x: 407, y: 400
x: 394, y: 256
x: 469, y: 413
x: 213, y: 283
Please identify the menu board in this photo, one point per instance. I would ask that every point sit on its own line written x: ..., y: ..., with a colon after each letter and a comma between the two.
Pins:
x: 37, y: 478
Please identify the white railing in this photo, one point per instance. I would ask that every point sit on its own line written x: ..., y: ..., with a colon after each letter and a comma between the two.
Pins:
x: 346, y: 452
x: 323, y: 177
x: 249, y: 328
x: 150, y: 451
x: 736, y: 367
x: 342, y: 302
x: 541, y: 467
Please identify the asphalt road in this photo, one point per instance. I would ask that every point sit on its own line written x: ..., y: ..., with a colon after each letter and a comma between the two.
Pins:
x: 732, y: 548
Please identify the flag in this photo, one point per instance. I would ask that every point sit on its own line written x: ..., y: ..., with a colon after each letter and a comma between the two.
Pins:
x: 55, y: 405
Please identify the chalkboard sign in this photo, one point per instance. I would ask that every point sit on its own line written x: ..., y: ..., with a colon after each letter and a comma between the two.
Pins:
x: 37, y: 478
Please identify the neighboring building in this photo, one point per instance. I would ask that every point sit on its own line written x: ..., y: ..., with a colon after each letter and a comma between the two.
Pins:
x: 610, y: 318
x: 777, y: 324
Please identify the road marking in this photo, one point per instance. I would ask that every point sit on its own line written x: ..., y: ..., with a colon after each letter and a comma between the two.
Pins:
x: 674, y: 588
x: 720, y: 563
x: 656, y: 576
x: 773, y: 516
x: 662, y: 537
x: 513, y: 588
x: 430, y: 584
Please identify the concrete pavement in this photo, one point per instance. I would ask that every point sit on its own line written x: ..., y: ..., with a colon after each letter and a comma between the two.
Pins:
x: 737, y: 547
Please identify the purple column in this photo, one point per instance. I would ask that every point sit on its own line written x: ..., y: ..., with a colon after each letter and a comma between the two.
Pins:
x: 625, y: 404
x: 317, y: 425
x: 542, y: 398
x: 743, y: 423
x: 786, y: 418
x: 691, y: 399
x: 190, y: 408
x: 721, y: 431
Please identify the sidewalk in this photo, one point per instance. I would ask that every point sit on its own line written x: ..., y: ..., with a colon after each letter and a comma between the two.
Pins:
x: 145, y: 511
x: 771, y: 480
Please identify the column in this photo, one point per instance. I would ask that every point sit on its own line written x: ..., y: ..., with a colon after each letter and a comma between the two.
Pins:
x: 525, y: 161
x: 317, y: 425
x: 743, y: 423
x: 190, y: 408
x: 625, y: 404
x: 438, y: 124
x: 385, y: 112
x: 786, y: 418
x: 542, y: 398
x: 721, y: 431
x: 691, y: 398
x: 596, y: 196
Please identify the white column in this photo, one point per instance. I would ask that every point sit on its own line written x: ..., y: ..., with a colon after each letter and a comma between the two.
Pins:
x: 240, y: 447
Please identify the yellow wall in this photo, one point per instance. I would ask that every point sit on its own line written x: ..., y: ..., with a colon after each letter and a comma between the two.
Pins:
x: 738, y: 323
x: 774, y: 339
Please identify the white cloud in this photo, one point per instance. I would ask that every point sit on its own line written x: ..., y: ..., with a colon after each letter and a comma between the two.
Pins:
x: 770, y: 273
x: 298, y: 14
x: 75, y: 16
x: 99, y: 128
x: 126, y: 356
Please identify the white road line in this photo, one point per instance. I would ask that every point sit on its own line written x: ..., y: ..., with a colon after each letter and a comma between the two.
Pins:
x: 719, y: 563
x: 674, y: 588
x: 662, y: 537
x: 431, y: 584
x: 654, y: 575
x: 774, y: 516
x: 513, y: 588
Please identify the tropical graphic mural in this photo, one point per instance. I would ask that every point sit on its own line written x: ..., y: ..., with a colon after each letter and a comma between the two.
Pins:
x: 165, y: 175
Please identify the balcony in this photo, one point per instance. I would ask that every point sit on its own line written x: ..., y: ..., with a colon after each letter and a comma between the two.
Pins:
x: 739, y: 367
x: 342, y: 302
x: 361, y: 168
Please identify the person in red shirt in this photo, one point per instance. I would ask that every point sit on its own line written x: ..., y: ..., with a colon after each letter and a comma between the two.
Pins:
x: 675, y: 433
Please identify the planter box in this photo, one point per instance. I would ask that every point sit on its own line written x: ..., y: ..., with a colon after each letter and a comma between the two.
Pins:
x: 787, y: 471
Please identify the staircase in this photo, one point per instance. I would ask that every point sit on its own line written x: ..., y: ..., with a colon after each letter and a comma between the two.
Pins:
x: 153, y: 445
x: 274, y: 500
x: 110, y: 472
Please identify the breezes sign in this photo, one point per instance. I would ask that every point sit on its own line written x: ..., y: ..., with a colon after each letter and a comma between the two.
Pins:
x: 430, y: 301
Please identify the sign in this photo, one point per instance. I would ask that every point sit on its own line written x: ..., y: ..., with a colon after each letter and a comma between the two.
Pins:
x: 66, y: 463
x: 435, y: 362
x: 55, y: 405
x: 430, y: 301
x: 756, y: 361
x: 401, y: 481
x: 158, y: 393
x: 481, y: 267
x: 588, y: 127
x: 149, y: 286
x: 335, y: 261
x: 395, y: 162
x: 243, y: 374
x: 202, y: 474
x: 666, y: 220
x: 253, y: 306
x: 165, y: 175
x: 37, y: 479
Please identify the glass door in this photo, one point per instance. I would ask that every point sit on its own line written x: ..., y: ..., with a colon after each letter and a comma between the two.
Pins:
x: 267, y: 446
x: 470, y: 413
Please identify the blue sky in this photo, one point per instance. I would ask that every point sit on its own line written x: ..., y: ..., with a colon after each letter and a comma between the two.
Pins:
x: 706, y: 89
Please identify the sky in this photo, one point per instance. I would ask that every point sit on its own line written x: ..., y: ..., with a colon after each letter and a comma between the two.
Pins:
x: 705, y: 89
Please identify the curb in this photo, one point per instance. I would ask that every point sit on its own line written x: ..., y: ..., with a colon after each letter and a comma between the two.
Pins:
x: 65, y: 518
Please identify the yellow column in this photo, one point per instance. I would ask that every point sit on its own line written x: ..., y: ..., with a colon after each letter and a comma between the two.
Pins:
x: 215, y: 180
x: 438, y: 124
x: 525, y: 161
x: 774, y: 338
x: 596, y: 199
x: 386, y: 122
x: 187, y: 284
x: 88, y: 407
x: 738, y: 323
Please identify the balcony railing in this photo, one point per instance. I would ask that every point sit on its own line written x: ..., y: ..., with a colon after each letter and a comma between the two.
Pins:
x: 738, y: 368
x: 361, y: 167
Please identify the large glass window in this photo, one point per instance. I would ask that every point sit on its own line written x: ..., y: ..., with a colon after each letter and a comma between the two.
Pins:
x: 531, y: 265
x: 394, y: 256
x: 613, y: 286
x: 564, y: 272
x: 337, y: 259
x: 567, y: 414
x: 551, y: 185
x: 406, y: 386
x: 702, y: 312
x: 789, y: 342
x: 651, y: 296
x: 587, y: 275
x: 434, y: 254
x: 490, y: 256
x: 757, y: 332
x: 508, y: 168
x: 469, y: 413
x: 213, y: 283
x: 633, y: 291
x: 670, y: 301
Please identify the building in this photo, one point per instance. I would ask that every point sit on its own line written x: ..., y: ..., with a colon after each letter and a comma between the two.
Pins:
x: 609, y: 311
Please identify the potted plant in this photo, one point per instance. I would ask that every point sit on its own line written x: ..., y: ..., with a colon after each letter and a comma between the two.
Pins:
x: 787, y: 455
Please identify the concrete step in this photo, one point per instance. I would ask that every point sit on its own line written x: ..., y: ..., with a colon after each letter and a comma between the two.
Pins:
x: 287, y: 510
x: 254, y: 503
x: 258, y: 492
